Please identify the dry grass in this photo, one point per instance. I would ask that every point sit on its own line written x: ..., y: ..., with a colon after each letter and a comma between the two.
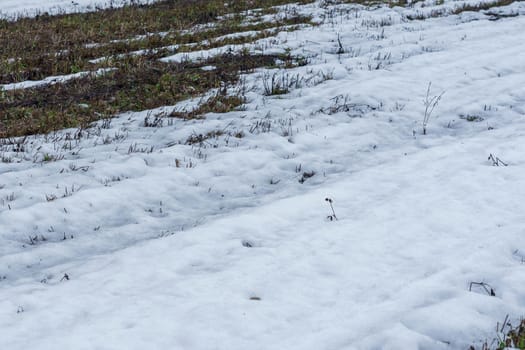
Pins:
x: 440, y: 12
x: 136, y: 84
x: 481, y: 6
x: 35, y: 48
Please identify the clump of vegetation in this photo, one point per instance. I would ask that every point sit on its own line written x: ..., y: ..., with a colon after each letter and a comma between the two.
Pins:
x: 220, y: 103
x: 280, y: 83
x: 508, y: 336
x: 471, y: 118
x: 306, y: 175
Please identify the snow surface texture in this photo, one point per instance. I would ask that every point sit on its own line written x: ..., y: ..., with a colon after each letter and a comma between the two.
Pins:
x: 25, y: 8
x: 226, y: 244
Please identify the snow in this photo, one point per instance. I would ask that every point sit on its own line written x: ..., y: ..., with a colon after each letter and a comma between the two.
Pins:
x: 50, y: 80
x: 219, y: 245
x: 29, y: 8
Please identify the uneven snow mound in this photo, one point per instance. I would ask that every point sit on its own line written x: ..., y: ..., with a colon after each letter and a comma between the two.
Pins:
x: 215, y: 233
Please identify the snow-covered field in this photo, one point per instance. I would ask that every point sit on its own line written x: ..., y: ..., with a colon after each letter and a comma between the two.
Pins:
x: 17, y: 8
x: 130, y: 238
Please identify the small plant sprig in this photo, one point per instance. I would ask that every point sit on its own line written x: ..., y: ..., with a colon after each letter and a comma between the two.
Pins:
x: 340, y: 48
x: 488, y: 289
x: 430, y: 102
x: 333, y: 216
x: 496, y: 161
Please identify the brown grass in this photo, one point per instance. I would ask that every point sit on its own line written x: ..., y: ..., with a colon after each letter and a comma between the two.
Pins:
x: 138, y: 84
x: 35, y: 48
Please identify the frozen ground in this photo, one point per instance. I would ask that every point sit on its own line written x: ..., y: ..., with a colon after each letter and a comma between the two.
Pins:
x: 226, y: 244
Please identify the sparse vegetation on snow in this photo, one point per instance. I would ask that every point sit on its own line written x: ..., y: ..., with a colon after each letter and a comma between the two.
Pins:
x: 329, y: 174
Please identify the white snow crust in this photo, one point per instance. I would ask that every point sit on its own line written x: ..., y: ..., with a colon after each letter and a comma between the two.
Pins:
x: 222, y: 245
x: 30, y: 8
